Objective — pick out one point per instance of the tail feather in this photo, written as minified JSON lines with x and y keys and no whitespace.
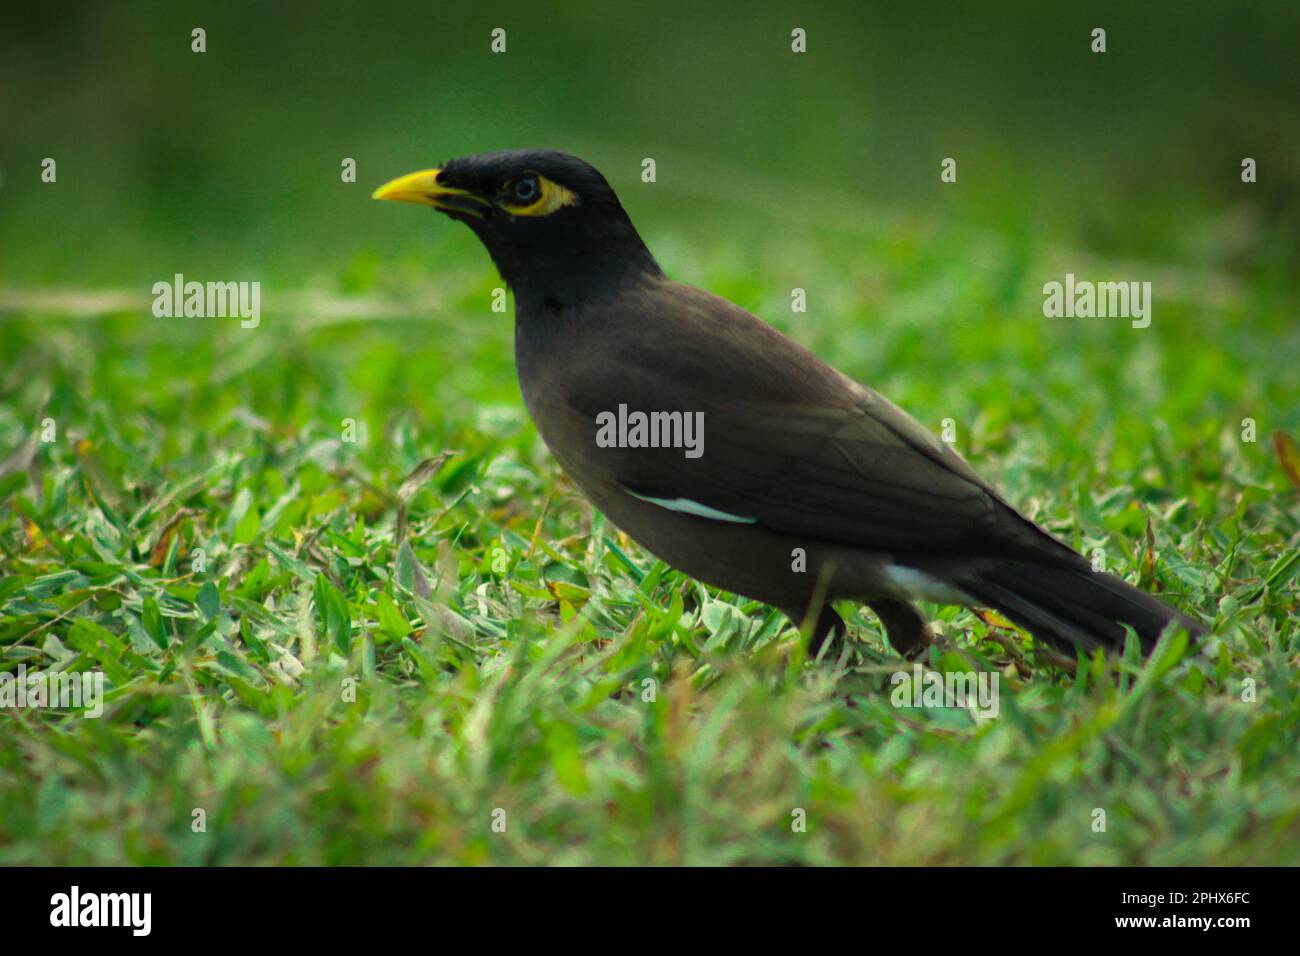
{"x":1071,"y":607}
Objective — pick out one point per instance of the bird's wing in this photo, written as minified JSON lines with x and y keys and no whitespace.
{"x":789,"y":442}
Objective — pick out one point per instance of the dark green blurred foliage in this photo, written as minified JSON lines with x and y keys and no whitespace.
{"x":228,"y":160}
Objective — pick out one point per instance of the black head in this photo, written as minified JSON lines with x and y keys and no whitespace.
{"x":551,"y":222}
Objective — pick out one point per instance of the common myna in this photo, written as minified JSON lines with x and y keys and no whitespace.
{"x":735,"y":454}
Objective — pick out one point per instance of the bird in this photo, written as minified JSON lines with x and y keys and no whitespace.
{"x":737,"y":456}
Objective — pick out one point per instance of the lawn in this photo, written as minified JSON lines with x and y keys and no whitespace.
{"x":348,"y":609}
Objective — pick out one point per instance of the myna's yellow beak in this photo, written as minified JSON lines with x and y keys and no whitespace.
{"x":424,"y":189}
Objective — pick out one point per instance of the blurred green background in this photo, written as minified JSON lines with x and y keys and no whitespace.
{"x":228,"y":162}
{"x":521,"y":686}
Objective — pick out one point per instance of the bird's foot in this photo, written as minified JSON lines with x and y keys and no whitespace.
{"x":828,"y":629}
{"x":906,"y":628}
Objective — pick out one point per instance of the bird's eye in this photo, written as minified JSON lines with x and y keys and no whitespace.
{"x":525,"y":190}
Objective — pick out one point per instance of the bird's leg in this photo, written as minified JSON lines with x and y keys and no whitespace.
{"x":828,"y":623}
{"x":906,"y":628}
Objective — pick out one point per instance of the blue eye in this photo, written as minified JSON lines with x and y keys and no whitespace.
{"x":526,"y":190}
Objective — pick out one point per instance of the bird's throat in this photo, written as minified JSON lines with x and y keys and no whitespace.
{"x":568,"y":273}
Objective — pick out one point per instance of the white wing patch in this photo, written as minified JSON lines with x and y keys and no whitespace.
{"x":687,"y":507}
{"x":921,"y":586}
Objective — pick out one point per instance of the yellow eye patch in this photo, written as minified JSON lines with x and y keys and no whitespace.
{"x":553,"y":196}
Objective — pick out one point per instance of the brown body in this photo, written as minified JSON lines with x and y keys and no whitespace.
{"x":787,"y":424}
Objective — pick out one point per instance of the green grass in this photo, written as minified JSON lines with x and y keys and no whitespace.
{"x":501,"y":640}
